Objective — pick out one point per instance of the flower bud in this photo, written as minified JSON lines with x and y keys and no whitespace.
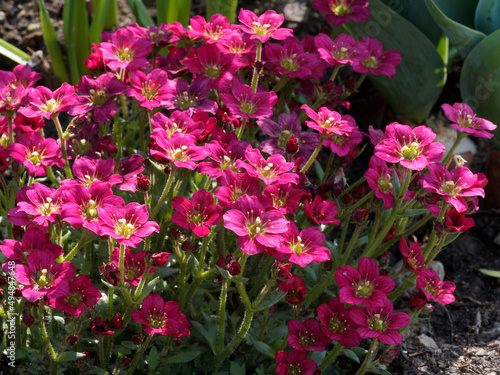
{"x":359,"y":216}
{"x":28,"y":320}
{"x":143,"y":183}
{"x":72,"y":339}
{"x":292,"y":146}
{"x":160,"y":259}
{"x":116,"y":322}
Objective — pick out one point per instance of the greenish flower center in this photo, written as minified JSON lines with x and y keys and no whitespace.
{"x":124,"y":228}
{"x":410,"y":152}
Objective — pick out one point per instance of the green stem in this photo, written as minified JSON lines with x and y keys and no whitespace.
{"x":122,"y":264}
{"x":360,"y":80}
{"x":11,"y":130}
{"x":74,"y":250}
{"x":67,"y":169}
{"x":351,"y":245}
{"x":335,"y":352}
{"x":356,"y":205}
{"x":241,"y":129}
{"x":368,"y":357}
{"x":436,"y":251}
{"x":432,"y":240}
{"x":46,"y":339}
{"x":314,"y":154}
{"x":256,"y":73}
{"x":328,"y":167}
{"x":335,"y":71}
{"x":139,"y":355}
{"x":448,"y":156}
{"x":164,"y":194}
{"x":222,"y":317}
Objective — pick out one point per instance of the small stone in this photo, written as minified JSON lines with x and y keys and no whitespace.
{"x":295,"y":11}
{"x":2,"y":16}
{"x":481,"y":352}
{"x":428,"y":343}
{"x":438,"y":267}
{"x":33,"y":27}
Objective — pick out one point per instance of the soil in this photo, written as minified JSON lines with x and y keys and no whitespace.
{"x":461,"y":338}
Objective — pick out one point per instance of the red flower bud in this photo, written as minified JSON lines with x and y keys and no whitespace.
{"x":116,"y":322}
{"x":160,"y":259}
{"x":72,"y":339}
{"x":143,"y":183}
{"x":28,"y":320}
{"x":292,"y":146}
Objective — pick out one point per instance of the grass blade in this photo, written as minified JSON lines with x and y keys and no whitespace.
{"x":53,"y":47}
{"x":81,"y":37}
{"x":228,"y":8}
{"x":212,"y":8}
{"x":141,"y":13}
{"x":166,"y":10}
{"x":184,"y":10}
{"x":100,"y":13}
{"x":13,"y":53}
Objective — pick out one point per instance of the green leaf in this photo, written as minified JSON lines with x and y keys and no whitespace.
{"x":263,"y":348}
{"x":153,"y":359}
{"x":480,"y":78}
{"x":463,"y":38}
{"x":141,"y":13}
{"x":487,"y":17}
{"x":13,"y":53}
{"x":209,"y":333}
{"x":69,"y":356}
{"x":53,"y":47}
{"x":491,"y":273}
{"x":99,"y":17}
{"x":460,"y":11}
{"x":319,"y":170}
{"x":167,"y":11}
{"x":396,"y":185}
{"x":414,"y":212}
{"x":272,"y":298}
{"x":237,"y":369}
{"x":129,"y":345}
{"x":183,"y":12}
{"x":420,"y":76}
{"x":451,"y":237}
{"x":147,"y":289}
{"x":212,"y":7}
{"x":183,"y":357}
{"x":228,"y":8}
{"x":350,"y":354}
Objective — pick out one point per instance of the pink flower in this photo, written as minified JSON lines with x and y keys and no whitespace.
{"x":453,"y":186}
{"x":380,"y":322}
{"x":197,"y":215}
{"x":164,"y":318}
{"x":304,"y":247}
{"x":190,"y":97}
{"x":223,"y":158}
{"x":238,"y":43}
{"x":295,"y":289}
{"x":379,"y":61}
{"x":337,"y":323}
{"x":177,"y":122}
{"x":329,"y":122}
{"x":321,"y":211}
{"x":43,"y":102}
{"x":244,"y":103}
{"x":81,"y":296}
{"x":210,"y":31}
{"x":295,"y":362}
{"x":343,"y":144}
{"x":363,"y":285}
{"x":40,"y":203}
{"x":129,"y":168}
{"x":284,"y":197}
{"x":36,"y":153}
{"x":232,"y":186}
{"x":435,"y":289}
{"x":134,"y":265}
{"x":464,"y":120}
{"x":413,"y":256}
{"x":263,"y":27}
{"x":20,"y":75}
{"x":272,"y":170}
{"x":28,"y":124}
{"x":338,"y":12}
{"x":96,"y":96}
{"x":412,"y":148}
{"x":343,"y":50}
{"x":306,"y":336}
{"x":150,"y":90}
{"x":88,"y":170}
{"x":256,"y":228}
{"x":457,"y":222}
{"x":129,"y":224}
{"x":42,"y":276}
{"x":125,"y":51}
{"x":80,"y":208}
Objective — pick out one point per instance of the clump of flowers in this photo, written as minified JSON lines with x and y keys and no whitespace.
{"x":196,"y":207}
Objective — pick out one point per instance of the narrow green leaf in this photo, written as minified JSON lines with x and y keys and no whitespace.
{"x":147,"y":289}
{"x":13,"y":53}
{"x":184,"y":357}
{"x":153,"y":359}
{"x":491,"y":273}
{"x":212,"y":7}
{"x":396,"y":185}
{"x":414,"y":212}
{"x":461,"y":37}
{"x":319,"y":170}
{"x":81,"y":37}
{"x":487,"y":19}
{"x":163,"y":11}
{"x":99,"y":18}
{"x":141,"y":13}
{"x":237,"y":369}
{"x":69,"y":356}
{"x":53,"y":47}
{"x":460,"y":11}
{"x":263,"y":348}
{"x":112,"y":18}
{"x":272,"y":298}
{"x":228,"y":8}
{"x":480,"y":78}
{"x":420,"y":76}
{"x":183,"y":12}
{"x":69,"y":31}
{"x":350,"y":354}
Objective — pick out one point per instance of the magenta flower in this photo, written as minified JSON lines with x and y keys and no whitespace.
{"x":337,"y":323}
{"x":129,"y":224}
{"x":294,"y":287}
{"x":295,"y":362}
{"x":232,"y":186}
{"x":342,"y":145}
{"x":211,"y":31}
{"x":321,"y":211}
{"x":150,"y":90}
{"x":343,"y":50}
{"x":329,"y":122}
{"x":338,"y":12}
{"x":244,"y":103}
{"x":80,"y":297}
{"x":284,"y":197}
{"x":306,"y":336}
{"x":40,"y":203}
{"x":256,"y":228}
{"x":379,"y":61}
{"x":21,"y":75}
{"x":457,"y":222}
{"x":190,"y":97}
{"x":263,"y":27}
{"x":238,"y":43}
{"x":453,"y":186}
{"x":125,"y":51}
{"x":412,"y":148}
{"x":80,"y":208}
{"x":177,"y":122}
{"x":43,"y":277}
{"x":134,"y":266}
{"x":130,"y":168}
{"x":435,"y":289}
{"x":87,"y":171}
{"x":464,"y":120}
{"x":291,"y":60}
{"x":96,"y":96}
{"x":28,"y":124}
{"x":164,"y":318}
{"x":36,"y":153}
{"x":197,"y":215}
{"x":43,"y":102}
{"x":272,"y":170}
{"x":380,"y":322}
{"x":413,"y":256}
{"x":180,"y":149}
{"x":304,"y":247}
{"x":363,"y":285}
{"x":12,"y":98}
{"x":223,"y":158}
